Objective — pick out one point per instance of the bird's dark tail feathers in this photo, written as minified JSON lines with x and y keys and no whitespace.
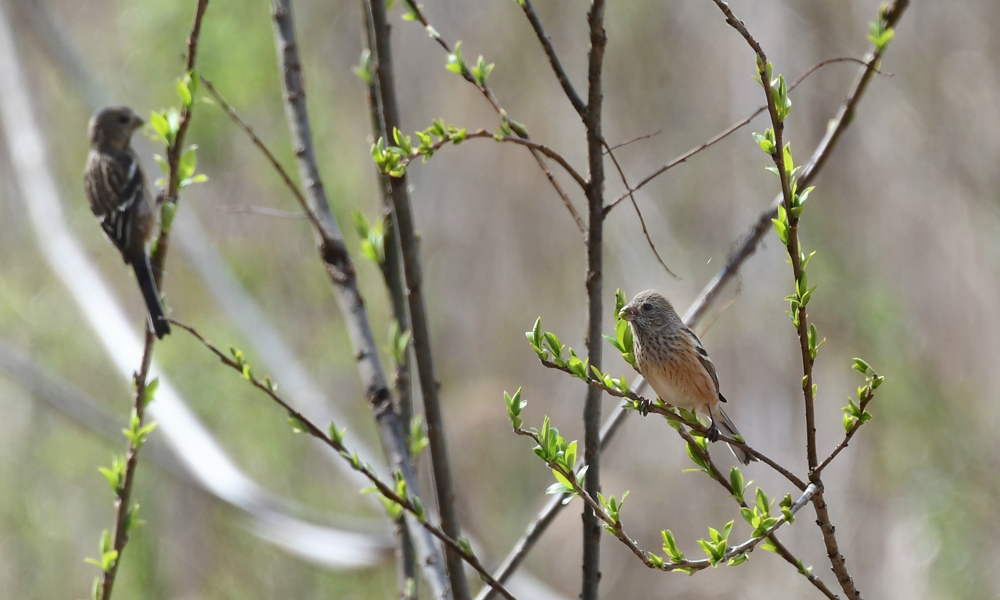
{"x":144,"y":275}
{"x":726,"y":425}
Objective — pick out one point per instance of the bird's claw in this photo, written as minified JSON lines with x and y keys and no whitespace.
{"x":643,"y":407}
{"x":713,"y":433}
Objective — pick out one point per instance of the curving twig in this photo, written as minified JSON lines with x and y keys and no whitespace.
{"x":407,"y":501}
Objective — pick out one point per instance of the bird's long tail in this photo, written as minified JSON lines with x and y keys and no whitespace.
{"x":144,"y":275}
{"x":725,"y":424}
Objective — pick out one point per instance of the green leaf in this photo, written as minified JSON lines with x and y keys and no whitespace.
{"x":670,"y":546}
{"x":337,"y":435}
{"x":862,"y":366}
{"x":297,"y":424}
{"x":365,"y":70}
{"x":184,"y":94}
{"x":456,"y":63}
{"x":158,"y":121}
{"x":149,"y":392}
{"x":736,"y":482}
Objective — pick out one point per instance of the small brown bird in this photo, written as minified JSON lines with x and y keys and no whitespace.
{"x":671,"y":358}
{"x":120,"y":199}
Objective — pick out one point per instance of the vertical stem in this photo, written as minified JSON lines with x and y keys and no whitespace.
{"x":410,"y":253}
{"x":595,"y":237}
{"x":340,"y":268}
{"x":123,"y":503}
{"x":384,"y":119}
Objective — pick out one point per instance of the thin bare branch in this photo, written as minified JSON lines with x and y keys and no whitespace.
{"x":731,"y":129}
{"x":550,"y":52}
{"x":635,"y":139}
{"x":248,"y":129}
{"x":642,"y":221}
{"x":261,"y":210}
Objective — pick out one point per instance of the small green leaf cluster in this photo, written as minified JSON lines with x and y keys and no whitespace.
{"x":879,"y":34}
{"x":613,"y":509}
{"x":622,"y":340}
{"x":759,"y":516}
{"x":800,"y":299}
{"x":514,"y":407}
{"x":392,"y":508}
{"x":549,"y":349}
{"x":411,"y":11}
{"x":187,"y":88}
{"x":241,"y":362}
{"x":136,"y":431}
{"x":777,"y":87}
{"x":418,"y":437}
{"x":393,"y":160}
{"x":560,"y":455}
{"x":671,"y":550}
{"x":166,"y":123}
{"x":478,"y":73}
{"x":365,"y":70}
{"x":718,"y":544}
{"x":739,"y":488}
{"x":399,"y":341}
{"x":508,"y":127}
{"x":372,"y":237}
{"x":697,"y":450}
{"x":108,"y":556}
{"x":337,"y":435}
{"x":853,"y":412}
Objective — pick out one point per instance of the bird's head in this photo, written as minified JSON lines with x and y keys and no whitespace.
{"x":648,"y":311}
{"x":111,"y":127}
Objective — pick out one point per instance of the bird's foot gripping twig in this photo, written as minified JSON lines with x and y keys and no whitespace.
{"x":713,"y":433}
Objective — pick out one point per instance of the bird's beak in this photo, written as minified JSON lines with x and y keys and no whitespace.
{"x":628,"y":314}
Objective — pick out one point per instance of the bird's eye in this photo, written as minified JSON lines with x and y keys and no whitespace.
{"x":124,"y":119}
{"x":646,"y":307}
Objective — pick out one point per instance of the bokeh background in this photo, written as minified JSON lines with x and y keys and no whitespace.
{"x":904,"y":221}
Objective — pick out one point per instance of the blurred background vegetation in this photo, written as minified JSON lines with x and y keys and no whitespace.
{"x":905,"y":221}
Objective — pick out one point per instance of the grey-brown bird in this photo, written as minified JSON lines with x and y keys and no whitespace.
{"x":120,"y":199}
{"x":674,"y":362}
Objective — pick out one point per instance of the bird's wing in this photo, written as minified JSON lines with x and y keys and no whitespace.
{"x":706,"y":362}
{"x":115,"y":185}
